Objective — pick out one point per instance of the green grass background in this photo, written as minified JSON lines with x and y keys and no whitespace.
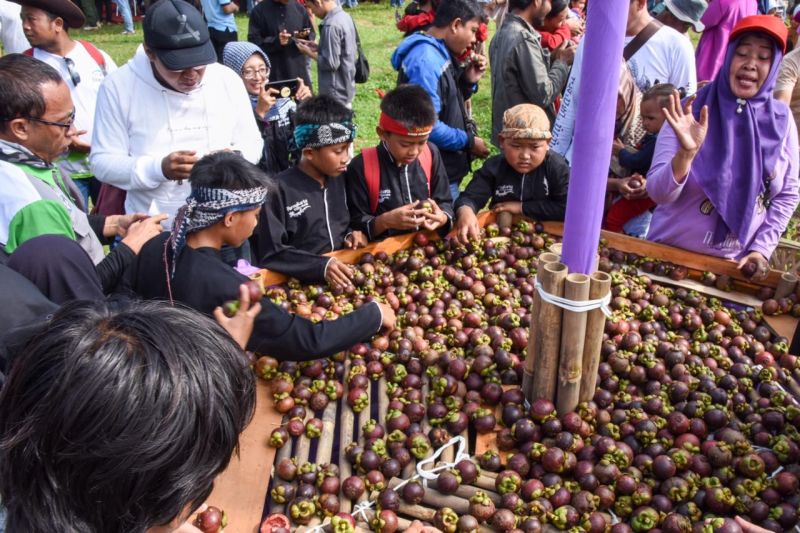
{"x":379,"y":38}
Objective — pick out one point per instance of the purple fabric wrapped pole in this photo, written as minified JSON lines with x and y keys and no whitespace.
{"x":594,"y":132}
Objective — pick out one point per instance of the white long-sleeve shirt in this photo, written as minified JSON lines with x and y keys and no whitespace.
{"x":138,"y":122}
{"x":11,"y":34}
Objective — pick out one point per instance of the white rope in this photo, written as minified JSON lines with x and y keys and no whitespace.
{"x":582,"y":306}
{"x":362,"y":508}
{"x":461,"y":454}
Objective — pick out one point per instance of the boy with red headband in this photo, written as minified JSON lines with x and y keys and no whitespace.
{"x":401,"y":185}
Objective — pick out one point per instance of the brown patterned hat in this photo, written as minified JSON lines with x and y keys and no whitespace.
{"x":526,"y":121}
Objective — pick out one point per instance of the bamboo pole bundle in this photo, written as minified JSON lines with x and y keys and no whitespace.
{"x":325,"y":443}
{"x":576,"y":288}
{"x":348,"y":418}
{"x":552,"y":278}
{"x":535,"y":332}
{"x":599,"y":287}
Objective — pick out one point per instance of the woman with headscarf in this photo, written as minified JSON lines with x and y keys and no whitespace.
{"x":724,"y":173}
{"x":273,"y":111}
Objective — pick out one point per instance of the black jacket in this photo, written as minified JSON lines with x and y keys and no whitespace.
{"x":300,"y":222}
{"x":641,"y":159}
{"x":267,"y":20}
{"x":543,"y":192}
{"x":203,"y":281}
{"x":399,"y":186}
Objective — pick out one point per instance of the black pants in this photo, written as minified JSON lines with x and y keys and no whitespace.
{"x":220,"y":38}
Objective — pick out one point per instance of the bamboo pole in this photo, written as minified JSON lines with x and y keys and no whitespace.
{"x":786,"y":285}
{"x":347,"y":417}
{"x":464,"y":492}
{"x":595,"y":324}
{"x":504,"y":219}
{"x":576,"y":288}
{"x":325,"y":443}
{"x":535,"y":331}
{"x":552,"y":278}
{"x":283,"y":452}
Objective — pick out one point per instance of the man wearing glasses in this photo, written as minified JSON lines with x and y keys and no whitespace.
{"x":37,"y":125}
{"x":83,"y":67}
{"x":167,"y":107}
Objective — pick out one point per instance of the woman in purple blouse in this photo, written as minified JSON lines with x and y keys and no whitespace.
{"x":725,"y":170}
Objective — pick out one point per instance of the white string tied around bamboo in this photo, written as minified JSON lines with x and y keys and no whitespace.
{"x":583,"y":306}
{"x":461,"y":454}
{"x":361,"y":508}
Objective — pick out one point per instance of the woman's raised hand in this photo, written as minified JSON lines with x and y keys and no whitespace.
{"x":690,"y":132}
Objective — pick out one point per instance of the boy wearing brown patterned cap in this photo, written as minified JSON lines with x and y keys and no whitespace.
{"x":526,"y":179}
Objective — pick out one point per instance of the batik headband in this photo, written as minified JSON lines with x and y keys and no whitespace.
{"x":389,"y":124}
{"x":319,"y":135}
{"x":205,"y":207}
{"x":525,"y":121}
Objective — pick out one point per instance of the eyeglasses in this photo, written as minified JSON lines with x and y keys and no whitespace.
{"x":73,"y":74}
{"x":252,"y":74}
{"x":66,"y":125}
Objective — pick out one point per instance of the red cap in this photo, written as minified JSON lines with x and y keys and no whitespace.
{"x":769,"y":24}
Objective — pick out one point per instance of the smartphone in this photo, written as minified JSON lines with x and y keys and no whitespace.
{"x":286,"y":88}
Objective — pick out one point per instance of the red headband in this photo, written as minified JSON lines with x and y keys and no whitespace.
{"x":390,"y":125}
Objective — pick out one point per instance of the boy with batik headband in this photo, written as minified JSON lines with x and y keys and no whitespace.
{"x":308,"y":215}
{"x":401,"y":185}
{"x":527,"y":179}
{"x":185,"y":265}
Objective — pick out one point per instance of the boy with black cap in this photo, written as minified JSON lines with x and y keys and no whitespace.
{"x":83,"y":67}
{"x":166,"y":108}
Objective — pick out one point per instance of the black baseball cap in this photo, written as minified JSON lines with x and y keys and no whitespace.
{"x":177,"y":33}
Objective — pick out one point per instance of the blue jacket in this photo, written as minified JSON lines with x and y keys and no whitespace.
{"x":426,"y":61}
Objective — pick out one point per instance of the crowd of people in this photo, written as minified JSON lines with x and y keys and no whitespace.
{"x":133,"y":204}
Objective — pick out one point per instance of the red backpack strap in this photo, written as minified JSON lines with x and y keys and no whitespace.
{"x":95,"y":53}
{"x":426,"y":160}
{"x":372,"y":175}
{"x":28,"y":52}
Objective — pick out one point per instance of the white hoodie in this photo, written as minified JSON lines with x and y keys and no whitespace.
{"x":138,"y":121}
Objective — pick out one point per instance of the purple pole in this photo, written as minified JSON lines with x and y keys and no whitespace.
{"x":594,"y":132}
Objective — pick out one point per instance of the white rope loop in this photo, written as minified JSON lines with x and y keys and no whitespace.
{"x":433,"y":473}
{"x":583,"y":306}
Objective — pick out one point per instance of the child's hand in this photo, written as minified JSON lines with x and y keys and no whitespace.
{"x":515,"y":208}
{"x":303,"y":91}
{"x":479,"y":148}
{"x":467,"y":227}
{"x":617,"y":146}
{"x":240,"y":326}
{"x":355,"y":239}
{"x":406,"y":217}
{"x":634,"y":187}
{"x":434,"y":219}
{"x":338,"y":273}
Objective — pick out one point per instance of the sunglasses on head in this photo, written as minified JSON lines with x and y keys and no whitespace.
{"x":73,"y":74}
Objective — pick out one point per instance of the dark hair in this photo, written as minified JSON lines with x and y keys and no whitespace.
{"x":450,"y":10}
{"x":519,"y":5}
{"x":660,"y":92}
{"x":115,"y":419}
{"x":557,"y":7}
{"x":21,"y":80}
{"x":322,"y":109}
{"x":410,"y":105}
{"x":227,"y":170}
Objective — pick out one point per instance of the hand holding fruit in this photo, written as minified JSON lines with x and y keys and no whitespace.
{"x":406,"y":217}
{"x":467,"y":227}
{"x":433,"y":216}
{"x":479,"y":148}
{"x":178,"y":164}
{"x":754,"y":266}
{"x":141,"y":231}
{"x":388,"y":318}
{"x":211,"y":520}
{"x":238,"y":317}
{"x":338,"y":273}
{"x":634,"y":187}
{"x":515,"y":208}
{"x":284,"y":37}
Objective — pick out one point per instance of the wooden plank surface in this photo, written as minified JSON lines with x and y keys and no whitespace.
{"x":678,"y":256}
{"x":241,"y":489}
{"x":782,"y":325}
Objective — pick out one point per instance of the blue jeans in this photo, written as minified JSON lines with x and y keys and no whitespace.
{"x":89,"y":188}
{"x":350,"y":3}
{"x":127,"y":17}
{"x":454,"y":190}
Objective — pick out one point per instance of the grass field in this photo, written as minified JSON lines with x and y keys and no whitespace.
{"x":379,"y":38}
